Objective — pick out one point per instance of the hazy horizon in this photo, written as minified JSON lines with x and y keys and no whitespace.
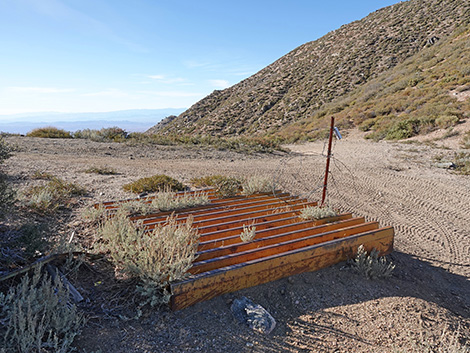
{"x":131,"y":120}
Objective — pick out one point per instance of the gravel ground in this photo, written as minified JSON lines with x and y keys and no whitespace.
{"x":424,"y":305}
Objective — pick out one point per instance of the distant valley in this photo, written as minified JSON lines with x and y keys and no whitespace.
{"x":137,"y":120}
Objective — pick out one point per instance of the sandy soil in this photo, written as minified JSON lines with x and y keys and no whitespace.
{"x":426,"y":303}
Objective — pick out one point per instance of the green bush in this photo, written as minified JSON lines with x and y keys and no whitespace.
{"x":160,"y":182}
{"x":370,"y":265}
{"x":37,"y":316}
{"x":367,"y":124}
{"x":410,"y":127}
{"x":49,"y":132}
{"x":447,"y":120}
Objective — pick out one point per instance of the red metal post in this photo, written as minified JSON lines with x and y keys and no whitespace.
{"x":325,"y":182}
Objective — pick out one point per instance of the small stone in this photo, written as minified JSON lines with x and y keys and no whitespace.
{"x":297,"y":302}
{"x":290,"y":280}
{"x":249,"y":344}
{"x":254,"y":315}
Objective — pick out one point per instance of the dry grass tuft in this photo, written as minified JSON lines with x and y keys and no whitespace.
{"x":257,"y":184}
{"x":248,"y":233}
{"x":316,"y":212}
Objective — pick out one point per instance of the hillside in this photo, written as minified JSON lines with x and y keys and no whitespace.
{"x":300,"y":83}
{"x":427,"y":91}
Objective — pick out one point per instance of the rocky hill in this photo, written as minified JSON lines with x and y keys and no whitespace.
{"x":303,"y":82}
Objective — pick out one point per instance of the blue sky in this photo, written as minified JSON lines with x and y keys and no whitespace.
{"x":107,"y":55}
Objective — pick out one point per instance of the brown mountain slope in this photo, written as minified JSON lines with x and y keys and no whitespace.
{"x":427,"y":91}
{"x":299,"y":83}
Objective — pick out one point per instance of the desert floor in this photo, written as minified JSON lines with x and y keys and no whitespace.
{"x":423,"y":306}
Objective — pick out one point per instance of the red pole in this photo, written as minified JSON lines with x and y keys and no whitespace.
{"x":325,"y":183}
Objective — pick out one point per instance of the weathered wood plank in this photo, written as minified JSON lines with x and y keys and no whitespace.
{"x":229,"y":279}
{"x":265,"y":210}
{"x":293,"y":211}
{"x":212,"y":210}
{"x":232,"y":244}
{"x":278,"y":244}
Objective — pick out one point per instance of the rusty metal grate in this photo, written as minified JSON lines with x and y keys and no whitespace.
{"x":284,"y":244}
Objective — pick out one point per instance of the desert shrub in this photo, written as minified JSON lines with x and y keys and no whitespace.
{"x":154,"y":183}
{"x":32,"y":239}
{"x":5,"y":150}
{"x":257,"y":184}
{"x":447,"y":120}
{"x":462,"y":163}
{"x":367,"y":124}
{"x":316,"y":212}
{"x":101,"y":170}
{"x":206,"y":181}
{"x":168,"y":201}
{"x":408,"y":128}
{"x":248,"y":233}
{"x":228,"y":187}
{"x":370,"y":265}
{"x":224,"y":186}
{"x":110,"y":134}
{"x":7,"y":195}
{"x":165,"y":201}
{"x":36,"y":316}
{"x":465,"y":143}
{"x":48,"y":198}
{"x":246,"y":145}
{"x":49,"y":132}
{"x":157,"y":257}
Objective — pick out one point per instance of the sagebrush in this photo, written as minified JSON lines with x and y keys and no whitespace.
{"x":155,"y":257}
{"x":51,"y":196}
{"x":37,"y":316}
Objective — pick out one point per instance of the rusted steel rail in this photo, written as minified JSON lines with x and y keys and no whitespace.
{"x":284,"y":244}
